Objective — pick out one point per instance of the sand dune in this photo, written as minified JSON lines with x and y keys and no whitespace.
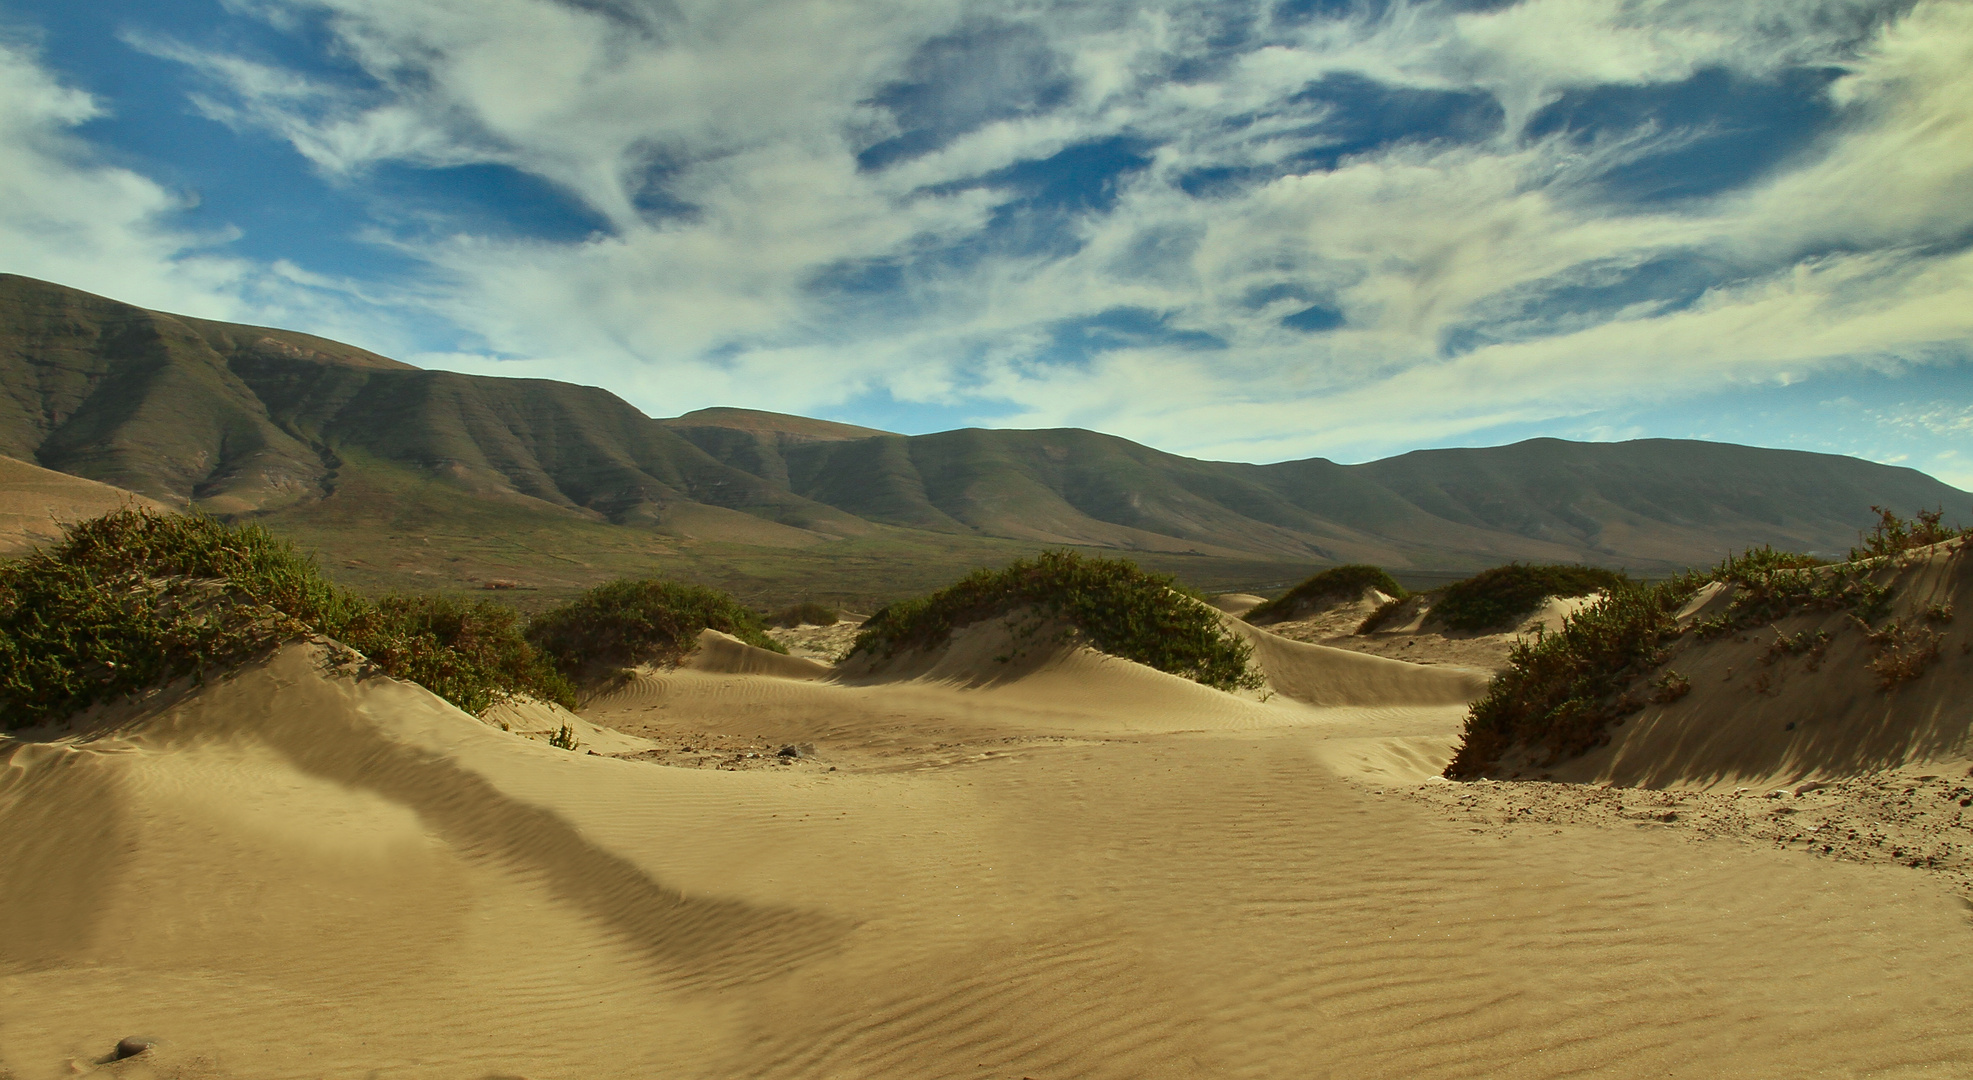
{"x":1057,"y":865}
{"x":1237,"y":603}
{"x":1760,"y":715}
{"x":35,"y":503}
{"x":1413,"y":636}
{"x":1320,"y":675}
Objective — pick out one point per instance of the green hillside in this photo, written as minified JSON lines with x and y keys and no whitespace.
{"x":405,"y":477}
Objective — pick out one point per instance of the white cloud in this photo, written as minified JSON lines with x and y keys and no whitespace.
{"x":68,"y":216}
{"x":753,"y":115}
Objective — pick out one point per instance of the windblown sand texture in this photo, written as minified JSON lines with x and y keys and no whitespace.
{"x":1010,"y":858}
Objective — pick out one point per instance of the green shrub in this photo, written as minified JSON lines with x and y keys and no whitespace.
{"x":469,"y":652}
{"x":1123,"y":611}
{"x":808,"y":612}
{"x":649,"y":621}
{"x":1893,"y":534}
{"x":135,"y":599}
{"x":1337,"y":582}
{"x":1500,"y":596}
{"x":1385,"y":612}
{"x":1560,"y":692}
{"x":1770,"y":585}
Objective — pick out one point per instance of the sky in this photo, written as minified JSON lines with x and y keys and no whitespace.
{"x":1241,"y":231}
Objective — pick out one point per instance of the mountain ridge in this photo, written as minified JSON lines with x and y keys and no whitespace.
{"x":287,"y":427}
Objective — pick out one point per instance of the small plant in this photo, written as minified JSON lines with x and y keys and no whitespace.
{"x":806,"y":613}
{"x":1337,"y":582}
{"x":1813,"y":644}
{"x":1669,"y":687}
{"x":1939,"y":614}
{"x":564,"y":739}
{"x":1386,"y":613}
{"x":1893,"y":534}
{"x":1900,"y":653}
{"x":469,"y":652}
{"x":626,"y":623}
{"x":1119,"y":607}
{"x":1504,"y":594}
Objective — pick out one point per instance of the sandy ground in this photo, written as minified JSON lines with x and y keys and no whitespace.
{"x":1055,"y":865}
{"x":824,"y":643}
{"x":1914,"y":817}
{"x":35,"y":503}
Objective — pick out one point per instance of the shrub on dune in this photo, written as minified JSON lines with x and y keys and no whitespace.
{"x":136,"y":599}
{"x":1336,"y":583}
{"x":1560,"y":693}
{"x":469,"y":652}
{"x":650,"y":621}
{"x":1893,"y":534}
{"x":1500,"y":596}
{"x":1120,"y":608}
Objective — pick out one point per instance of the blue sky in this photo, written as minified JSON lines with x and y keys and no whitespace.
{"x":1250,"y":231}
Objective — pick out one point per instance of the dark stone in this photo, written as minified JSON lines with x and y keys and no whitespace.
{"x":132,"y":1046}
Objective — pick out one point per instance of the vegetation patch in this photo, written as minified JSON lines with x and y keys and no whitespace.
{"x":649,"y":621}
{"x":806,"y":613}
{"x":135,"y":599}
{"x":1500,"y":596}
{"x":1336,"y":583}
{"x":1669,"y":687}
{"x":1893,"y":534}
{"x":1119,"y":607}
{"x":1901,"y":653}
{"x":1561,"y":692}
{"x":1802,"y":643}
{"x":1390,"y":610}
{"x":1770,"y":585}
{"x":469,"y":652}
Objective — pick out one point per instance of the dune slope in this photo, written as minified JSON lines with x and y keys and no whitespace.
{"x":1761,"y":711}
{"x":35,"y":503}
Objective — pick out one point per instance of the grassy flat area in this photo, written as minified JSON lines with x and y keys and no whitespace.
{"x":389,"y":528}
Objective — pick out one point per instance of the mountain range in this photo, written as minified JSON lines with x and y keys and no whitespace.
{"x":366,"y":458}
